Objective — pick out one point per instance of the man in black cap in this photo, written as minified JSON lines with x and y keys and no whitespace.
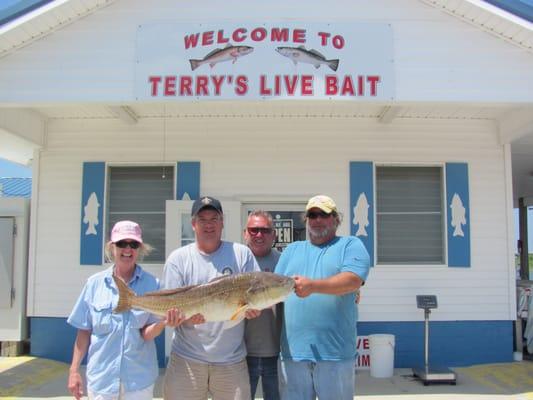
{"x":206,"y":358}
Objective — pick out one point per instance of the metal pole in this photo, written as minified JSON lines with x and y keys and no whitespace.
{"x":523,"y":235}
{"x":426,"y":338}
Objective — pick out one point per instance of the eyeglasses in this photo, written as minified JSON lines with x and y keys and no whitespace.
{"x":122,"y":244}
{"x":212,"y":221}
{"x":316,"y":214}
{"x":254,"y":230}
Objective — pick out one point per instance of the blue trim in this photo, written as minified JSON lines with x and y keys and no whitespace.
{"x":92,"y":232}
{"x":188,"y":180}
{"x":22,"y":7}
{"x":520,"y":8}
{"x":54,"y":338}
{"x":458,"y":215}
{"x":362,"y":183}
{"x":451,"y":343}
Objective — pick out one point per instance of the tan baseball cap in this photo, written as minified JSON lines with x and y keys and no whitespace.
{"x":325,"y":203}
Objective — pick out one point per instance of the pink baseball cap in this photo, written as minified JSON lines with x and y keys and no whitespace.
{"x":126,"y":230}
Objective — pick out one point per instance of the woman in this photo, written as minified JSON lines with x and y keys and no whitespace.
{"x":122,"y":361}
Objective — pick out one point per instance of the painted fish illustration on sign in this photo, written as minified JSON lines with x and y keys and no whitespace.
{"x":301,"y":54}
{"x":225,"y":298}
{"x":227,"y":53}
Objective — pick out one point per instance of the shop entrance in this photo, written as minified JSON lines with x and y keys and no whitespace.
{"x":287,"y":218}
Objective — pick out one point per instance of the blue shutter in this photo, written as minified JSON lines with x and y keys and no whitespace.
{"x":458,"y":214}
{"x":362,"y":204}
{"x":92,"y":211}
{"x":188,"y":180}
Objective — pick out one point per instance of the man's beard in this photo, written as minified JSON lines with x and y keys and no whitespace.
{"x":319,"y":233}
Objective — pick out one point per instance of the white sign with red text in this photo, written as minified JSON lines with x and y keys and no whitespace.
{"x":363,"y":353}
{"x":279,"y":60}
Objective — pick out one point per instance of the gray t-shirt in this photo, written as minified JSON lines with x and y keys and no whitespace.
{"x":208,"y":342}
{"x":262,"y":333}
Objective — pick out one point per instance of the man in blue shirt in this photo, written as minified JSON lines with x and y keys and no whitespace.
{"x":318,"y":342}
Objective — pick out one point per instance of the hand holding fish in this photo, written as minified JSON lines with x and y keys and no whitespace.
{"x":174,"y":318}
{"x":303,"y":286}
{"x":196,"y":319}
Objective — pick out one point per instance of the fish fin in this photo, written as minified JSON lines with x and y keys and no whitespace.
{"x":239,"y":313}
{"x":194,"y":64}
{"x":212,"y":64}
{"x":301,"y":47}
{"x":317,"y":66}
{"x":317,"y":53}
{"x":231,"y":324}
{"x":125,"y":295}
{"x":333,"y":64}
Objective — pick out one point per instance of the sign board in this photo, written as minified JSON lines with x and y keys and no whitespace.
{"x":273,"y":60}
{"x":426,"y":301}
{"x":363,"y":353}
{"x":284,"y":233}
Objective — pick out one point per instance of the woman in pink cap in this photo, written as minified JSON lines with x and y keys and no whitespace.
{"x":122,"y":361}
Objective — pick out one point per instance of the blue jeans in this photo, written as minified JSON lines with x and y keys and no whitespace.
{"x":329,"y":380}
{"x":267,"y":369}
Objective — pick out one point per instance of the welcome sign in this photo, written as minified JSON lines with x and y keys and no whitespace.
{"x":278,"y":60}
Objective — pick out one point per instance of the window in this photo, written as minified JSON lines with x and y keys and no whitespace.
{"x":410,"y":215}
{"x":139,"y":194}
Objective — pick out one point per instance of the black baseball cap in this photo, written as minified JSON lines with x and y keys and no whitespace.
{"x":205,"y":202}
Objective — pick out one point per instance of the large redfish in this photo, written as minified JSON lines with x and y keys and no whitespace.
{"x":223,"y":299}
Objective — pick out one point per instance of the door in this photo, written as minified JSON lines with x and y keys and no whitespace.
{"x":7,"y":226}
{"x":287,"y":218}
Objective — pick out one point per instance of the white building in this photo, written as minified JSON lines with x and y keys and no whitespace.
{"x":414,"y":131}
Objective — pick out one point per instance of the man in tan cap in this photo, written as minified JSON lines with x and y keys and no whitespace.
{"x":318,"y":343}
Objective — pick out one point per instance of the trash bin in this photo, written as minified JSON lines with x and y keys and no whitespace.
{"x":381,"y":355}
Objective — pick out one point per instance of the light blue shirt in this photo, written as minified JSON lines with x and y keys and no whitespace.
{"x":209,"y":342}
{"x":117,"y":352}
{"x":321,"y":327}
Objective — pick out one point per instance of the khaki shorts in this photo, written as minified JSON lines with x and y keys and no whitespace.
{"x":189,"y":380}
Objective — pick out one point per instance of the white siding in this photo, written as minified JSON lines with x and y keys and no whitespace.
{"x":273,"y":157}
{"x":436,"y":56}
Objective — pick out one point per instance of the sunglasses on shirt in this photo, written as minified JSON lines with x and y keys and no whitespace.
{"x":316,"y":214}
{"x":254,"y":231}
{"x":122,"y":244}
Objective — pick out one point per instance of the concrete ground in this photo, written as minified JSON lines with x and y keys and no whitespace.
{"x":35,"y":378}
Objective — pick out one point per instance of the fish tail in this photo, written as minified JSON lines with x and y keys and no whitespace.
{"x":125,"y":296}
{"x":195,"y":64}
{"x":333,"y":64}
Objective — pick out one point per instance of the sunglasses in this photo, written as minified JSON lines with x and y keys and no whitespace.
{"x":316,"y":214}
{"x":122,"y":244}
{"x":254,"y":231}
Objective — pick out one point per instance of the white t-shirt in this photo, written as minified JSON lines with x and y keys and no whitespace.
{"x":208,"y":342}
